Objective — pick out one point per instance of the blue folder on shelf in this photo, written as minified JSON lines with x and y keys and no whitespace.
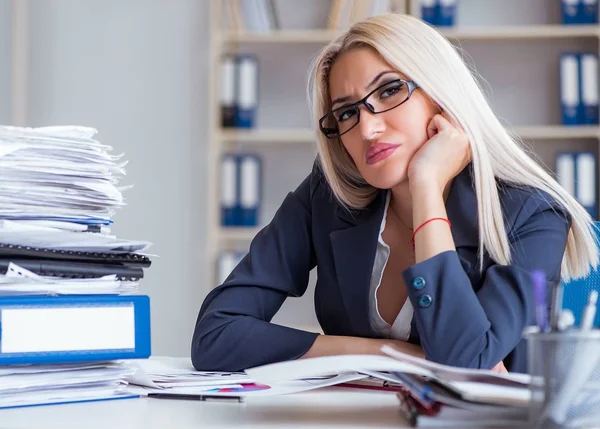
{"x":67,"y":329}
{"x":246,"y":91}
{"x":588,"y":11}
{"x":570,"y":88}
{"x":250,"y":180}
{"x":229,"y":190}
{"x":570,"y":11}
{"x":576,"y":172}
{"x":589,"y":88}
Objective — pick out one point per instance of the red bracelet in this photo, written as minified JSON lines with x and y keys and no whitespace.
{"x":412,"y":239}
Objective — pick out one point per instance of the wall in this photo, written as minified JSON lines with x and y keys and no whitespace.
{"x":5,"y":61}
{"x":136,"y":71}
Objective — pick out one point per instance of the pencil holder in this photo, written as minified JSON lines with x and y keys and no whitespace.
{"x":565,"y":370}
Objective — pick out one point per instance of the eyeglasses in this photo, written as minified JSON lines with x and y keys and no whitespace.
{"x":383,"y":98}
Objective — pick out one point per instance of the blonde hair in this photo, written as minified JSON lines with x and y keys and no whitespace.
{"x":424,"y":55}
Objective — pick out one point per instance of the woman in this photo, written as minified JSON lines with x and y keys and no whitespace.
{"x":423,"y":217}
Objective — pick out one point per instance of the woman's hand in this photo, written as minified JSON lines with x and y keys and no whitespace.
{"x":500,"y":368}
{"x":442,"y":157}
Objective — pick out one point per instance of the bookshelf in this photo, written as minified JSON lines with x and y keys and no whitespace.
{"x":544,"y":33}
{"x":521,"y":32}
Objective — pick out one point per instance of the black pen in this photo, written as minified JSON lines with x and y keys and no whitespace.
{"x":195,"y":397}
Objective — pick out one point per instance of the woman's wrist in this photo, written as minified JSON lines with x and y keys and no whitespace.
{"x":424,"y":184}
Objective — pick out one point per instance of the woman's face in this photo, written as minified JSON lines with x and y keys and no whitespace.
{"x":382,"y":144}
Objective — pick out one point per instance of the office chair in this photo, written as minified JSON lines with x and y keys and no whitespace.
{"x":576,"y":292}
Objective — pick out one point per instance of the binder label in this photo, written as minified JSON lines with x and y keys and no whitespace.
{"x":47,"y":329}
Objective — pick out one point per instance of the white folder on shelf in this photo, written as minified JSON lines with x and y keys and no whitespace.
{"x":589,"y":88}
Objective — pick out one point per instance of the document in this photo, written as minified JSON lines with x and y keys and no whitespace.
{"x":49,"y":384}
{"x":19,"y":281}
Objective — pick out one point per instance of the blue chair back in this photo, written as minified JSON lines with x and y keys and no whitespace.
{"x":576,"y":292}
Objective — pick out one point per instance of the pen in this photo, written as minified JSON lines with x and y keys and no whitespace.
{"x":556,"y":306}
{"x":589,"y":312}
{"x":418,"y":391}
{"x":541,"y":306}
{"x":196,"y":397}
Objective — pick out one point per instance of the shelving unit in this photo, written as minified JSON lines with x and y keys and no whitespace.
{"x":307,"y":136}
{"x":472,"y":33}
{"x":275,"y":138}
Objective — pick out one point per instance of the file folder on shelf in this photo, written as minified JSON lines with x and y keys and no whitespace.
{"x":229,"y":190}
{"x":570,"y":12}
{"x":585,"y":182}
{"x":588,"y":11}
{"x":226,"y":263}
{"x":249,"y":186}
{"x":67,"y":329}
{"x":446,"y":12}
{"x":247,"y":91}
{"x":429,"y":11}
{"x":570,"y":96}
{"x":576,"y":172}
{"x":589,"y":88}
{"x":227,"y":96}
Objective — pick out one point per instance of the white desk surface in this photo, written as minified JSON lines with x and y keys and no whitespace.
{"x":333,"y":407}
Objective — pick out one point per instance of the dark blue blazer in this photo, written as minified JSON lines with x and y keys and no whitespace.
{"x":462,"y":316}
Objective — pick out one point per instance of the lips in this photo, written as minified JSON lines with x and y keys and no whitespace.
{"x":379,"y":151}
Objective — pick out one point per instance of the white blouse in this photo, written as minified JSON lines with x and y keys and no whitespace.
{"x":400,"y":330}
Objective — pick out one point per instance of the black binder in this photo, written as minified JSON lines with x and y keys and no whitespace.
{"x":28,"y":252}
{"x":73,"y":264}
{"x":73,"y":270}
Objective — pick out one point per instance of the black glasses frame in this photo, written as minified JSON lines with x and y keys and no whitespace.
{"x":331,"y":133}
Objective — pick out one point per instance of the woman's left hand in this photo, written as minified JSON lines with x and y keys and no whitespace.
{"x":445,"y":154}
{"x":500,"y":368}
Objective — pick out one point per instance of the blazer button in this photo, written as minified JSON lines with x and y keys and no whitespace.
{"x":425,"y":300}
{"x":418,"y":283}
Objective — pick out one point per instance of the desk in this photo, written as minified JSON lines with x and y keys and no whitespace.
{"x":333,"y":407}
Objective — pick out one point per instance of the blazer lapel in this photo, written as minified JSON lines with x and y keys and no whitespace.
{"x":461,"y":207}
{"x":354,"y":254}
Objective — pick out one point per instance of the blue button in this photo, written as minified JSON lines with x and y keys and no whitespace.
{"x":418,"y":283}
{"x":425,"y":300}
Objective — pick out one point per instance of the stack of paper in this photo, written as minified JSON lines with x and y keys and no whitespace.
{"x":58,"y":192}
{"x":431,"y":393}
{"x":177,"y":376}
{"x":59,"y":188}
{"x":51,"y":384}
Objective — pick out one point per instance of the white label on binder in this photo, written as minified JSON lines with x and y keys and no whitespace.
{"x":228,"y":181}
{"x":569,"y":78}
{"x":565,"y":172}
{"x":586,"y":178}
{"x":589,"y":79}
{"x":227,"y":81}
{"x":30,"y":330}
{"x":249,"y":182}
{"x":447,"y":2}
{"x":248,"y":83}
{"x":427,"y":3}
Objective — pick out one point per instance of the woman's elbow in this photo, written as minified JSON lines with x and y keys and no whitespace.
{"x":483,"y":354}
{"x":206,"y":353}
